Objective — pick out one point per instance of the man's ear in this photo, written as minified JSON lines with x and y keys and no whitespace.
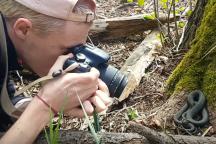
{"x":22,"y":27}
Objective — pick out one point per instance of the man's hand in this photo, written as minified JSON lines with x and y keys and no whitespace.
{"x":61,"y":92}
{"x":100,"y":100}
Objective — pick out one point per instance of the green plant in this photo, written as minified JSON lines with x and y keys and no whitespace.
{"x":92,"y":129}
{"x":53,"y":136}
{"x":149,"y":16}
{"x":164,"y":4}
{"x":181,"y":24}
{"x":140,"y":2}
{"x":132,"y":114}
{"x":129,"y":1}
{"x":96,"y":122}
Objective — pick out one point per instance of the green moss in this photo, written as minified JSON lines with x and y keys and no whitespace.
{"x":209,"y":83}
{"x":196,"y":71}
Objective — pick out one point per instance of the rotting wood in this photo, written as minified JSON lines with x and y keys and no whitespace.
{"x":164,"y":138}
{"x":118,"y":27}
{"x":135,"y":66}
{"x":82,"y":137}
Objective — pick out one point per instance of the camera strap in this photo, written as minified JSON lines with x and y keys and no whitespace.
{"x":46,"y":78}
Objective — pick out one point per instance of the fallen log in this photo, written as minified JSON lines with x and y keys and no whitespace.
{"x":138,"y":135}
{"x":163,"y":138}
{"x":135,"y":66}
{"x":112,"y":28}
{"x":81,"y":137}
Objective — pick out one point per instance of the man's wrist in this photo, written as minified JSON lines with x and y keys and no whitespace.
{"x":55,"y":112}
{"x":40,"y":109}
{"x":32,"y":121}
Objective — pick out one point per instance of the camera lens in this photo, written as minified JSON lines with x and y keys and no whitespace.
{"x":114,"y":79}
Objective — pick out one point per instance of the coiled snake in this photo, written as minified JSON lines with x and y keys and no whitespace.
{"x":194,"y":113}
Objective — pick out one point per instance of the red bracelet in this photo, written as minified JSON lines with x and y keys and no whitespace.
{"x":49,"y":106}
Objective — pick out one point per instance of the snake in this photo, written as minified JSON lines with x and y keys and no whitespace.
{"x":194,"y":113}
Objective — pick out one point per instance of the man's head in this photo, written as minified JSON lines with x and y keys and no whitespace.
{"x":42,"y":31}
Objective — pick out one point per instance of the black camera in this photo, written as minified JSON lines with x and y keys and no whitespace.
{"x":90,"y":56}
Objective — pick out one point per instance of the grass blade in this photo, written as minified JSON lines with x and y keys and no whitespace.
{"x":95,"y":136}
{"x":47,"y":137}
{"x":96,"y":121}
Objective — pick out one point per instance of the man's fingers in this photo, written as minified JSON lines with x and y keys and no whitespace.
{"x":88,"y":107}
{"x":99,"y":104}
{"x":75,"y":112}
{"x":103,"y":87}
{"x":78,"y":112}
{"x":59,"y":63}
{"x":95,"y":72}
{"x":104,"y":97}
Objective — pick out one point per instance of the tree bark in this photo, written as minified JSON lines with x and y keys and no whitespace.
{"x":193,"y":24}
{"x":197,"y":69}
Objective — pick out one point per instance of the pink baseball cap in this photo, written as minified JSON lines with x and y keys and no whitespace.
{"x":62,"y":9}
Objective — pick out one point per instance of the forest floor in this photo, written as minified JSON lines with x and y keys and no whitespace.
{"x":146,"y":100}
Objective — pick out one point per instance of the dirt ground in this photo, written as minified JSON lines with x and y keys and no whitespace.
{"x":144,"y":102}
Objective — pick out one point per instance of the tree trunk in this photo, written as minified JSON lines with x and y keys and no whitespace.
{"x":197,"y":70}
{"x":193,"y":23}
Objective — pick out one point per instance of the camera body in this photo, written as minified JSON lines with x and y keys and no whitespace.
{"x":88,"y":56}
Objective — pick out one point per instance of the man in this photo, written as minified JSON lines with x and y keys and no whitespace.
{"x":38,"y":34}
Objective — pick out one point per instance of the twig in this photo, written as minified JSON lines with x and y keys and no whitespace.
{"x":176,"y":26}
{"x":126,"y":5}
{"x":190,"y":3}
{"x":125,"y":109}
{"x":164,"y":126}
{"x":185,"y":12}
{"x":119,"y":111}
{"x":182,"y":37}
{"x":147,"y":95}
{"x":156,"y":11}
{"x":148,"y":6}
{"x":117,"y":50}
{"x":168,"y":24}
{"x":20,"y":77}
{"x":206,"y":131}
{"x":102,"y":17}
{"x":89,"y":38}
{"x":209,"y":51}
